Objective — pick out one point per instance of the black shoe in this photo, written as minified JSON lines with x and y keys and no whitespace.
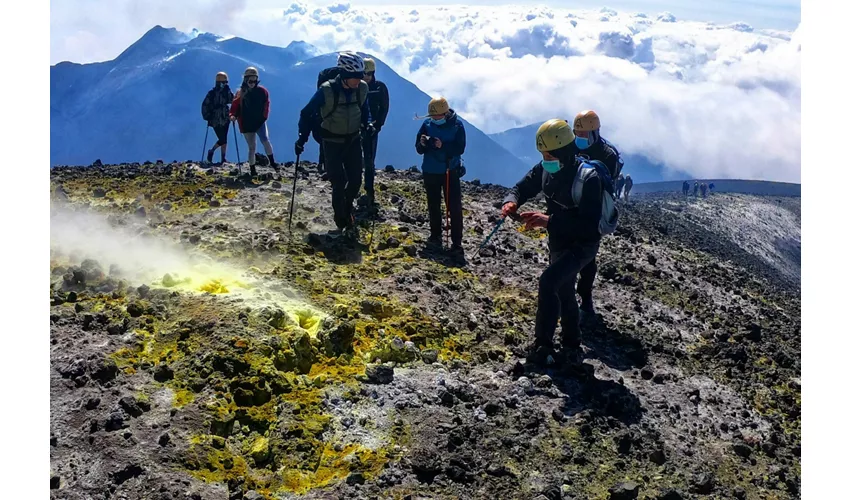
{"x":253,"y":170}
{"x":272,"y":163}
{"x":541,"y":353}
{"x":210,"y":155}
{"x":434,"y":242}
{"x":223,"y":160}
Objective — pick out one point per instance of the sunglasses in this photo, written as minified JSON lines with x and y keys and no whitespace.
{"x":370,"y":73}
{"x":224,"y":82}
{"x":253,"y":81}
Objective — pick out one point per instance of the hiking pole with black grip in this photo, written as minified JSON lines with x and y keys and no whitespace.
{"x":204,"y":151}
{"x":292,"y":200}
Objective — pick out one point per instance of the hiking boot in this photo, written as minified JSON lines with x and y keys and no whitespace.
{"x":210,"y":155}
{"x":434,"y":242}
{"x":253,"y":170}
{"x":541,"y":353}
{"x":272,"y":163}
{"x":223,"y":160}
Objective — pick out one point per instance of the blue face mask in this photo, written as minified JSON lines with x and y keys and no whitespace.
{"x":438,"y":122}
{"x":582,"y":142}
{"x":551,"y":166}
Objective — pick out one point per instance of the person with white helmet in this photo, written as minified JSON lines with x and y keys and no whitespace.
{"x":215,"y":110}
{"x":342,"y":106}
{"x":590,"y":144}
{"x":251,"y":108}
{"x":573,"y":228}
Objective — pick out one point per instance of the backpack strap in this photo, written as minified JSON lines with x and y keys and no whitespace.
{"x":336,"y":91}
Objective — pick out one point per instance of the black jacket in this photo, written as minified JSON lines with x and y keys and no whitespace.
{"x":568,"y":225}
{"x":379,"y":102}
{"x":600,"y":150}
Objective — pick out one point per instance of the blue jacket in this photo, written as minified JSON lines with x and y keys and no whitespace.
{"x":453,"y":137}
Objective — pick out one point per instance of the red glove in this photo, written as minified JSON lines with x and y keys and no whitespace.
{"x":534,"y":219}
{"x":508,"y":208}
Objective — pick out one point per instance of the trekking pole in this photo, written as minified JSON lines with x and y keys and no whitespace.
{"x":447,"y":206}
{"x":236,"y":140}
{"x":206,"y":135}
{"x":483,"y":244}
{"x":292,"y":200}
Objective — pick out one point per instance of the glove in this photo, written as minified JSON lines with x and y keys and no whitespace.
{"x":461,"y":171}
{"x":534,"y":219}
{"x":508,"y":208}
{"x":299,"y":147}
{"x":232,"y":118}
{"x":378,"y":127}
{"x":370,"y":128}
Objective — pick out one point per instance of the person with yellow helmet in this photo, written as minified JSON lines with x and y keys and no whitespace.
{"x":215,"y":110}
{"x":573,"y":228}
{"x":590,"y":143}
{"x":379,"y":107}
{"x":251,"y":108}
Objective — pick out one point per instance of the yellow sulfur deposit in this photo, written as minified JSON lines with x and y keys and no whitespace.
{"x":214,"y":286}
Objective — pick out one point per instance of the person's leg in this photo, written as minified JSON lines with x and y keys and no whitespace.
{"x":433,"y":192}
{"x":370,"y":148}
{"x":263,"y":134}
{"x":251,"y":139}
{"x":353,"y":165}
{"x":587,"y":275}
{"x":560,"y":275}
{"x":455,"y":208}
{"x":321,"y":167}
{"x":336,"y":174}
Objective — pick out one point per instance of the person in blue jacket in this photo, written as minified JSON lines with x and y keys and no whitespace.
{"x":441,"y":140}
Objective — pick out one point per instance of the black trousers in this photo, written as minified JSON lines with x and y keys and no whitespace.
{"x":586,"y":277}
{"x":370,"y":149}
{"x":435,"y":189}
{"x":344,"y":164}
{"x":221,"y":133}
{"x":556,"y":294}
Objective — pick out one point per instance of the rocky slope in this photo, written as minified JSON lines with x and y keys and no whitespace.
{"x":200,"y":351}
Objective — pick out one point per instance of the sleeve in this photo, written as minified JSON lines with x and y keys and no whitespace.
{"x":365,"y":112}
{"x":206,"y":104}
{"x":267,"y":106}
{"x":309,"y":115}
{"x":385,"y":106}
{"x":419,"y":147}
{"x":526,"y":188}
{"x":236,"y":107}
{"x":456,"y":146}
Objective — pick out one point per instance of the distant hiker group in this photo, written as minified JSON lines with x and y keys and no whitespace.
{"x":699,"y":188}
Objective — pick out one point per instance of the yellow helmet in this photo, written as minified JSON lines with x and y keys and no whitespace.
{"x":221,"y":76}
{"x":586,"y":121}
{"x":554,"y":134}
{"x":369,"y":64}
{"x":438,"y":106}
{"x":251,"y":71}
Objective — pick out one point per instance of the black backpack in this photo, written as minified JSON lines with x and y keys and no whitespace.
{"x":327,"y":74}
{"x":206,"y":107}
{"x":619,"y":167}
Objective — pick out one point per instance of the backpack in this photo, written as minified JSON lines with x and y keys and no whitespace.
{"x":610,"y":214}
{"x":206,"y":107}
{"x":327,"y":74}
{"x":619,"y":168}
{"x":262,"y":160}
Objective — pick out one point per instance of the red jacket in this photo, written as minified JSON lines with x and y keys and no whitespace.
{"x":253,"y":111}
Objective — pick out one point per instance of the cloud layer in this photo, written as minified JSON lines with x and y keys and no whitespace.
{"x":712,"y":100}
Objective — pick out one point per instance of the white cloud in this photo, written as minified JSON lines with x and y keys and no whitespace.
{"x":713,"y":100}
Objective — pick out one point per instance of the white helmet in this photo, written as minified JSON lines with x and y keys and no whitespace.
{"x":350,"y":64}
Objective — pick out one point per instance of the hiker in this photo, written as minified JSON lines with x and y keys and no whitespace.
{"x":573,"y":232}
{"x":711,"y":188}
{"x":215,"y":110}
{"x":441,"y":140}
{"x":590,"y":143}
{"x":379,"y":106}
{"x":621,"y":181}
{"x":629,"y":184}
{"x":702,"y":189}
{"x":343,"y":108}
{"x":251,"y":108}
{"x":696,"y":188}
{"x":686,"y":188}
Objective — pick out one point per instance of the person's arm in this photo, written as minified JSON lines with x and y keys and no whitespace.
{"x":365,"y":112}
{"x":236,"y":107}
{"x":419,"y":147}
{"x":267,"y":106}
{"x":385,"y":107}
{"x":308,"y":114}
{"x":528,"y":187}
{"x":207,"y":103}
